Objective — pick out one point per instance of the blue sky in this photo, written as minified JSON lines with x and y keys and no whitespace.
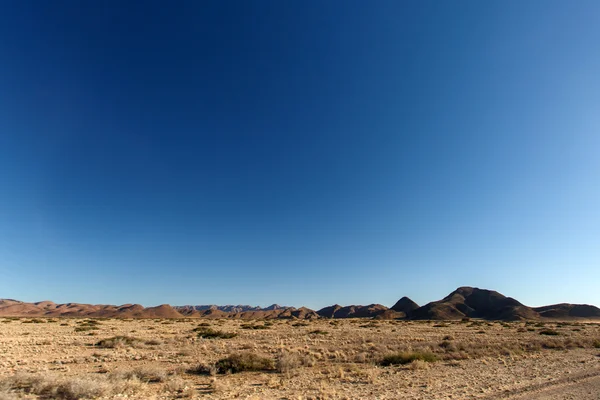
{"x":300,"y":153}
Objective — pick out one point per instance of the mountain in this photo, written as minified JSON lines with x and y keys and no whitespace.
{"x":464,"y":302}
{"x":13,"y":308}
{"x":568,"y":311}
{"x":475,"y":303}
{"x":188,"y":310}
{"x":337,"y":311}
{"x":405,"y":305}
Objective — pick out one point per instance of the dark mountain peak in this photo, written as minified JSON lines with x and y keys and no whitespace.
{"x":475,"y":303}
{"x":405,"y":305}
{"x":566,"y":311}
{"x":329,"y":312}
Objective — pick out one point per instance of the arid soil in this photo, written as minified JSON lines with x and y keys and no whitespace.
{"x":62,"y":358}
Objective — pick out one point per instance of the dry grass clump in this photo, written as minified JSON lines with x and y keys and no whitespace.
{"x":33,"y":321}
{"x":179,"y":389}
{"x":247,"y":361}
{"x":53,"y":387}
{"x":119,"y":342}
{"x":254,"y":326}
{"x":286,"y":362}
{"x":408,"y":357}
{"x":145,"y":374}
{"x":87,"y":325}
{"x":419,"y":365}
{"x":209,"y":333}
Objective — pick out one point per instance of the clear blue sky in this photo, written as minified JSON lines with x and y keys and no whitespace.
{"x":304,"y":153}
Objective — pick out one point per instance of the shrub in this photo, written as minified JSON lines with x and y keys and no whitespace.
{"x":287,"y":362}
{"x":318,"y":332}
{"x":203,"y":369}
{"x":54,"y":387}
{"x":418,"y":364}
{"x":408,"y":357}
{"x":549,"y":332}
{"x":253,"y":326}
{"x":144,"y":374}
{"x":244,"y":362}
{"x":596,"y":344}
{"x":86,"y":328}
{"x":119,"y":341}
{"x":209,"y":333}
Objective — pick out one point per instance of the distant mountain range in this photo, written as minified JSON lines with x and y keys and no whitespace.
{"x":464,"y":302}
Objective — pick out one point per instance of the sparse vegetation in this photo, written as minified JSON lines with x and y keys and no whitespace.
{"x":151,"y":359}
{"x":119,"y":341}
{"x":209,"y":333}
{"x":254,"y":326}
{"x":247,"y":361}
{"x":549,"y":332}
{"x":408,"y":357}
{"x":51,"y":386}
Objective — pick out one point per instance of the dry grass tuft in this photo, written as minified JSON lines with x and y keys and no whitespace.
{"x":209,"y":333}
{"x":119,"y":342}
{"x":75,"y":388}
{"x":144,"y":374}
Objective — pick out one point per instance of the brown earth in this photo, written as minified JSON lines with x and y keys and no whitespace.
{"x":71,"y":358}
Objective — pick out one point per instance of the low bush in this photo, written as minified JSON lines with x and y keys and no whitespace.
{"x":209,"y":333}
{"x":119,"y":341}
{"x":254,"y":326}
{"x":549,"y":332}
{"x":240,"y":362}
{"x":408,"y":357}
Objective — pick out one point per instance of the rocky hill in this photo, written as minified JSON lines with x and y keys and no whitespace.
{"x":464,"y":302}
{"x":468,"y":302}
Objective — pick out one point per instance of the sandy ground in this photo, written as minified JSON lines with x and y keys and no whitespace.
{"x":341,"y":359}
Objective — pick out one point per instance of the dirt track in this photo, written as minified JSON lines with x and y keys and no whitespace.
{"x":586,"y":388}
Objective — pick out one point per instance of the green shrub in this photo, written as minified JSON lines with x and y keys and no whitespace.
{"x":408,"y":357}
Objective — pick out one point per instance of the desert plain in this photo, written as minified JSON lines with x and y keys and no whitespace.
{"x":78,"y":358}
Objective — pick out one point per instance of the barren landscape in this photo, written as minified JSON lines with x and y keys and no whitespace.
{"x":73,"y":358}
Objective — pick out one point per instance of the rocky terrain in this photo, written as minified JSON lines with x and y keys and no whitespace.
{"x":348,"y":358}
